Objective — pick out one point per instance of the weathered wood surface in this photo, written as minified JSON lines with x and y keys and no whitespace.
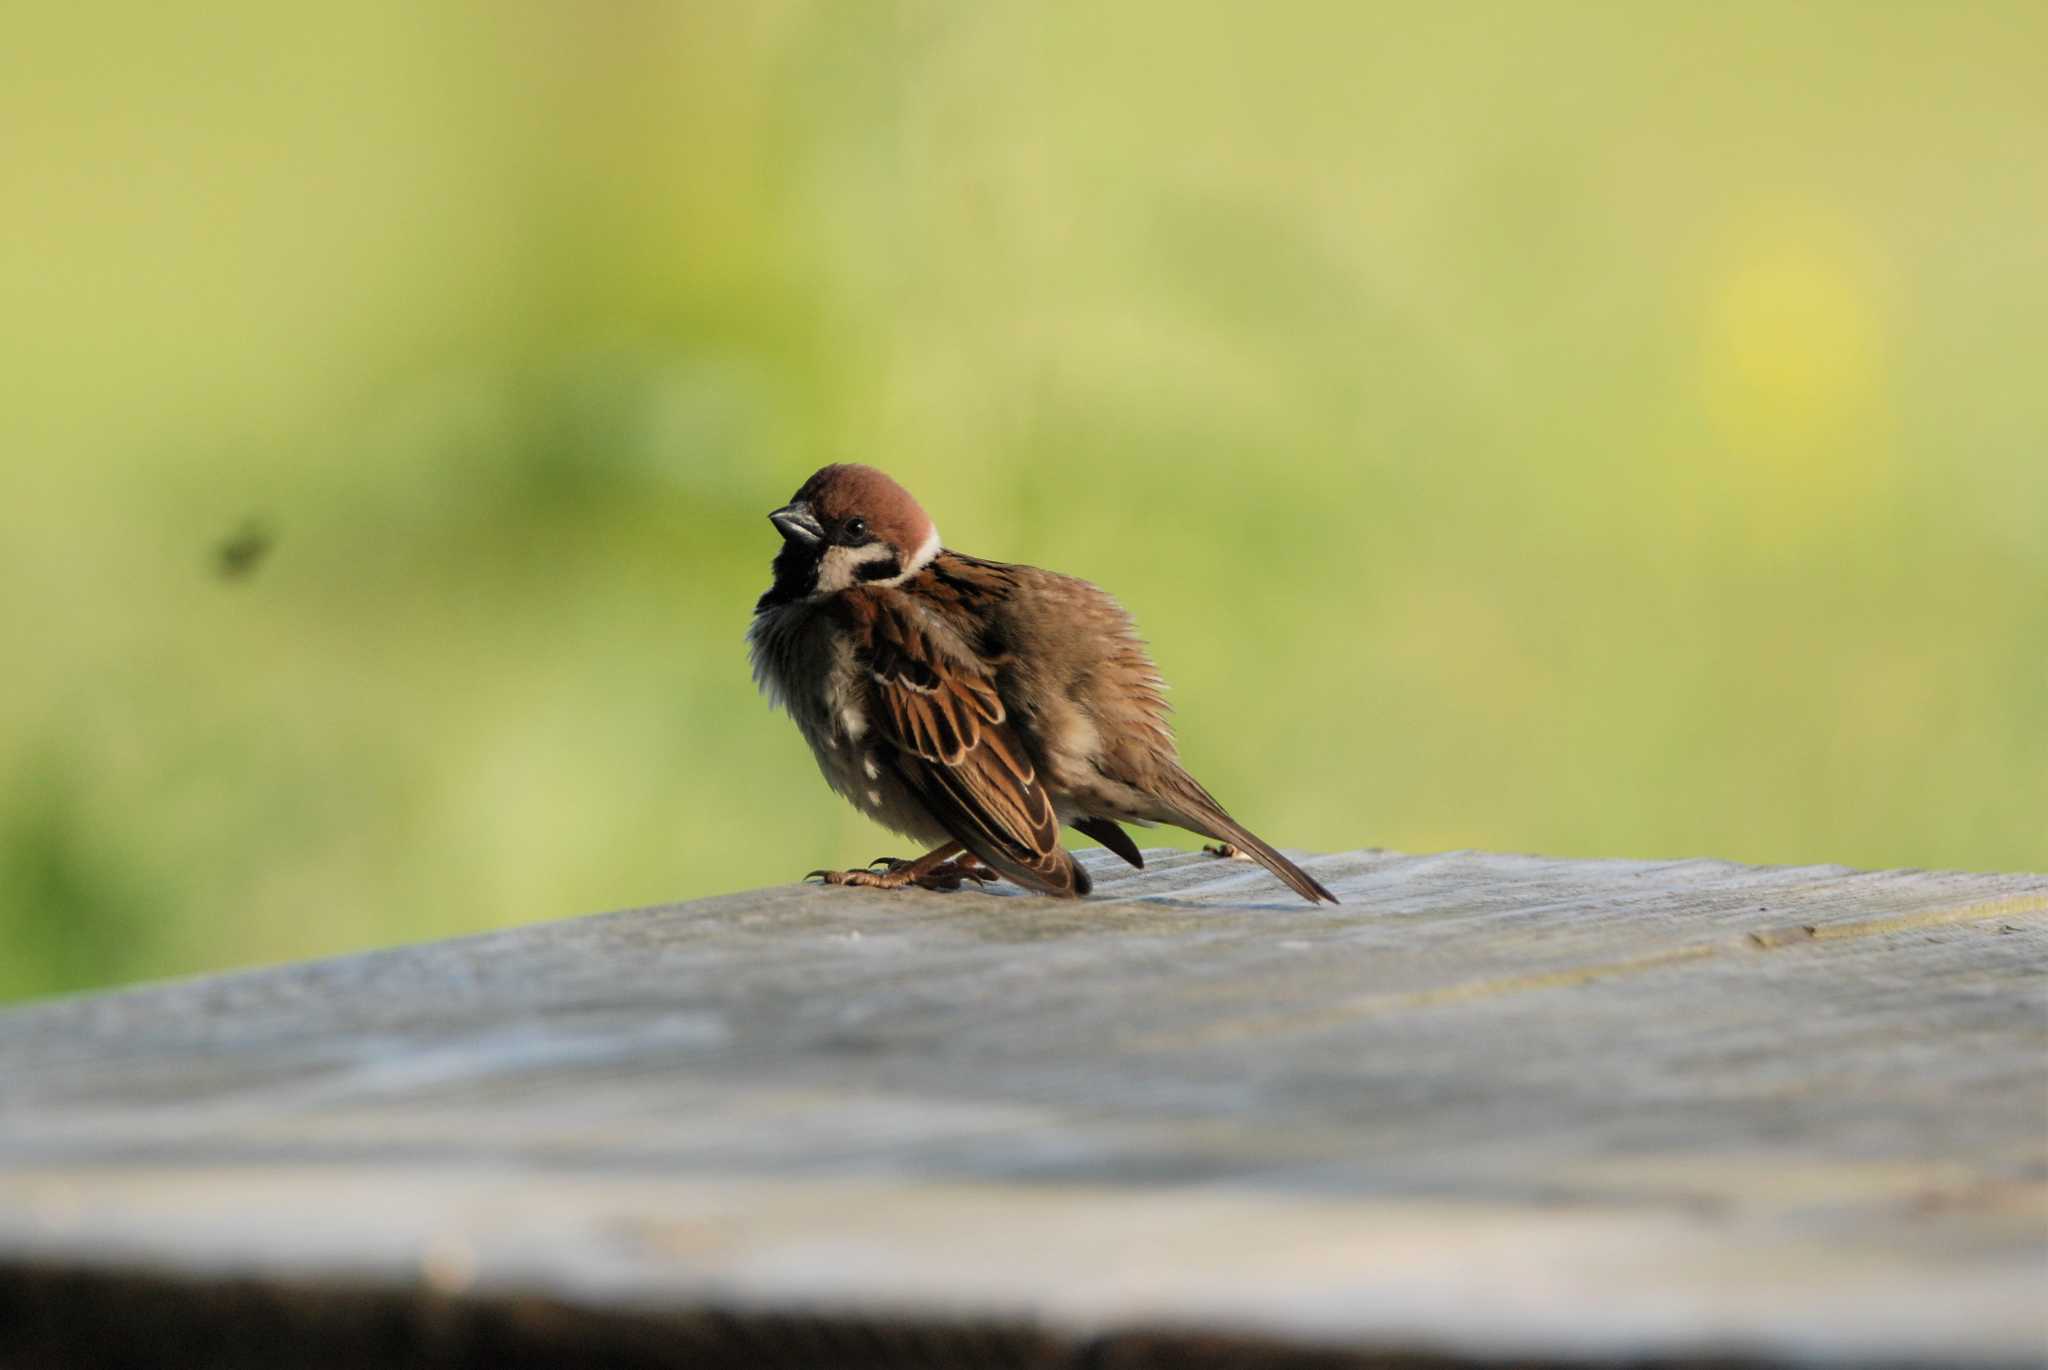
{"x":1492,"y":1106}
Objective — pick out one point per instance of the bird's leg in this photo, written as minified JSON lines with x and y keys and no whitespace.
{"x":947,"y":875}
{"x":966,"y":866}
{"x":935,"y":870}
{"x":1226,"y":851}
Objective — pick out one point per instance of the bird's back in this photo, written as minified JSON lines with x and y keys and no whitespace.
{"x":1072,"y":670}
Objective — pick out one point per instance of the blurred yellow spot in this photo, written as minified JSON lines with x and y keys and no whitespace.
{"x":1793,"y":354}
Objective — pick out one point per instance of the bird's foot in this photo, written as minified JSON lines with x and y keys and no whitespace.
{"x":1226,"y":851}
{"x":897,"y":874}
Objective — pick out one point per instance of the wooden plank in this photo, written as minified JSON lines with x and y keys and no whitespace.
{"x":1491,"y":1106}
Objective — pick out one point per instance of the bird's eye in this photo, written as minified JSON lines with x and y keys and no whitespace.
{"x":856,"y":529}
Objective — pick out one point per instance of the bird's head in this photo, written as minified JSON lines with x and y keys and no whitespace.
{"x":849,"y":525}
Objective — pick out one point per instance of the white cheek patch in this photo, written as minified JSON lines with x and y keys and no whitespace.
{"x":840,"y":566}
{"x":926,"y":550}
{"x":835,"y":570}
{"x":919,"y":559}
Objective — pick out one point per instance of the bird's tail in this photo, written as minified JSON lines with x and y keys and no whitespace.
{"x":1198,"y":810}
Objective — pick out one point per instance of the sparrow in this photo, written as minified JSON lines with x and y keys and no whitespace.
{"x":970,"y":705}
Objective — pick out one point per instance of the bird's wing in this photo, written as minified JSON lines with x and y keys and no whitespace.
{"x":1106,"y":831}
{"x":958,"y":752}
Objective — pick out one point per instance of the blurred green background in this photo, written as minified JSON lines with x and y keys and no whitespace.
{"x":1586,"y":428}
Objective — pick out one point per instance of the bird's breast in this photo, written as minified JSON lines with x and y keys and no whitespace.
{"x":807,"y":667}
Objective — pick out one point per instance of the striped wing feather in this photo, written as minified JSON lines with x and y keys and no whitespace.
{"x":956,"y":750}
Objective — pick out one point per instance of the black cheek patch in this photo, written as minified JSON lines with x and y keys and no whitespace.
{"x":886,"y":569}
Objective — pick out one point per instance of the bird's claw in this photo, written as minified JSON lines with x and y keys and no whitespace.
{"x":896,"y":874}
{"x":953,"y":873}
{"x":1226,"y":851}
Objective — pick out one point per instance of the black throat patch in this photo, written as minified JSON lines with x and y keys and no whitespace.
{"x":796,"y":576}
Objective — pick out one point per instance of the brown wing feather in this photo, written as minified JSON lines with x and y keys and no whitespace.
{"x":1106,"y":832}
{"x":1197,"y":810}
{"x":956,"y":750}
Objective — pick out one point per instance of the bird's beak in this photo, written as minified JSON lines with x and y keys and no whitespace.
{"x":797,"y":523}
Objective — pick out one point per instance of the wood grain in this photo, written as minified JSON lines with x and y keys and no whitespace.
{"x":1490,"y":1106}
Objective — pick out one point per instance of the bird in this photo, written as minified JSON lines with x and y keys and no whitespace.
{"x":971,"y":705}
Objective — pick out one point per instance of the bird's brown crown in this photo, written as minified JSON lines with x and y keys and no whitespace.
{"x":845,"y":491}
